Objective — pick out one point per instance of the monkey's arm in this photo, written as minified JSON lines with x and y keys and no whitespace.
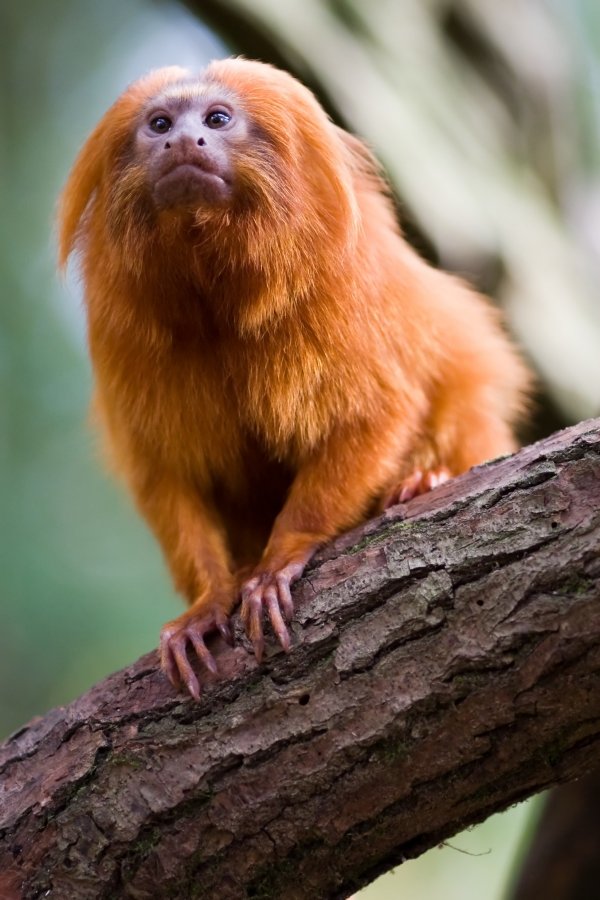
{"x":194,"y":545}
{"x":333,"y":490}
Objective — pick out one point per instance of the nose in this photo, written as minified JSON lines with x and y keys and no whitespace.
{"x":201,"y":142}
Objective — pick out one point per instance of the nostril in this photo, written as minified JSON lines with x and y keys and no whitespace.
{"x":167,"y":146}
{"x":201,"y":142}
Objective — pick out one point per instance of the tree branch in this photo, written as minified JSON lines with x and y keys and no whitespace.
{"x":446,"y":664}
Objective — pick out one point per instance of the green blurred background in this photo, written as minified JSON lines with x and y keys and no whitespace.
{"x":486,"y":116}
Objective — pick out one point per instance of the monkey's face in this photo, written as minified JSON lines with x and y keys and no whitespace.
{"x":241,"y":155}
{"x":186,"y":143}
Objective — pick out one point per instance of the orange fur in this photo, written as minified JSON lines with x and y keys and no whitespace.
{"x":268,"y":370}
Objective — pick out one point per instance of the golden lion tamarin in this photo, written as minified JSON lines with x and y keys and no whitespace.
{"x":273,"y":362}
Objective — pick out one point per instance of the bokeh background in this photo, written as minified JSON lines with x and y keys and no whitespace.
{"x":486,"y":115}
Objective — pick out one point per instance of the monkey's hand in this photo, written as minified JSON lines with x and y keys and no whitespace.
{"x":188,"y":632}
{"x":419,"y":482}
{"x":331,"y":492}
{"x":269,"y":590}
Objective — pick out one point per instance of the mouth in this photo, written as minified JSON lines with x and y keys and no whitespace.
{"x":192,"y":170}
{"x":188,"y":184}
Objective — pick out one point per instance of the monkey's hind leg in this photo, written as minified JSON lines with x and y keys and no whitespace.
{"x":463,"y":431}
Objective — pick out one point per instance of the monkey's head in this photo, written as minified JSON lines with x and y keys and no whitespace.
{"x":239,"y":143}
{"x":194,"y":142}
{"x":234,"y":179}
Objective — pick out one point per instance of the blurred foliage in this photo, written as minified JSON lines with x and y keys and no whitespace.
{"x":486,"y":117}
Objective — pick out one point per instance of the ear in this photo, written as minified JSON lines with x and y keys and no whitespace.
{"x":100,"y":152}
{"x":362,"y":161}
{"x":324,"y":163}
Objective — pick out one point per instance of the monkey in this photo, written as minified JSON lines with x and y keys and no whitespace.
{"x":273,"y":362}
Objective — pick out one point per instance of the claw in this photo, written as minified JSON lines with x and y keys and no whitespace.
{"x":185,"y":633}
{"x":169,"y":667}
{"x":419,"y":482}
{"x":269,"y":591}
{"x":277,"y":620}
{"x":285,"y":597}
{"x":225,"y":632}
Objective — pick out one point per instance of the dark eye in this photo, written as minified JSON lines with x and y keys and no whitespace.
{"x":217,"y":118}
{"x":161,"y":124}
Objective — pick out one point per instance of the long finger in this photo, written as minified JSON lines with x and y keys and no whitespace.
{"x":412,"y":486}
{"x":203,"y":652}
{"x":285,"y":597}
{"x":185,"y":669}
{"x":247,"y":593}
{"x":277,"y":619}
{"x":169,"y":666}
{"x":223,"y":624}
{"x":255,"y":626}
{"x":437,"y":477}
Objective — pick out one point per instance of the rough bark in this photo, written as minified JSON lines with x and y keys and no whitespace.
{"x":446,"y":664}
